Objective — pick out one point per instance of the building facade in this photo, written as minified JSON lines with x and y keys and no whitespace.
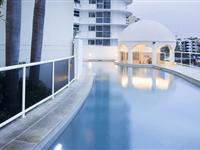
{"x":99,"y":22}
{"x":189,"y":44}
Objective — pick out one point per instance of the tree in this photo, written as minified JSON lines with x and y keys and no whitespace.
{"x":177,"y":48}
{"x":13,"y":29}
{"x":37,"y":37}
{"x":1,"y":2}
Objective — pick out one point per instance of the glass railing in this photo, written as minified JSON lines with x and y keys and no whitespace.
{"x":187,"y":58}
{"x":24,"y":87}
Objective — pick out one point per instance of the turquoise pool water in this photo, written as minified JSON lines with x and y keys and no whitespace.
{"x":135,"y":109}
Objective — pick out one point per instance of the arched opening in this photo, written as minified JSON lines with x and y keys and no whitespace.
{"x":163,"y":54}
{"x":142,"y":54}
{"x":123,"y":50}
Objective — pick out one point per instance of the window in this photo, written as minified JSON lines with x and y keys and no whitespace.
{"x":99,"y":42}
{"x":99,"y":28}
{"x":99,"y":1}
{"x":99,"y":6}
{"x":99,"y":14}
{"x":106,"y":5}
{"x":92,"y":1}
{"x":92,"y":14}
{"x":99,"y":34}
{"x":76,"y":27}
{"x":77,"y":1}
{"x":106,"y":20}
{"x":106,"y":28}
{"x":106,"y":14}
{"x":91,"y":28}
{"x":106,"y":42}
{"x":106,"y":34}
{"x":91,"y":42}
{"x":99,"y":20}
{"x":76,"y":13}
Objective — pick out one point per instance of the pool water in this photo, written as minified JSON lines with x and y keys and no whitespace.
{"x":135,"y":108}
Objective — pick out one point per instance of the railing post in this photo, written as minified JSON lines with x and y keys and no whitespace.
{"x":69,"y":70}
{"x":181,"y":58}
{"x":24,"y":93}
{"x":53,"y":79}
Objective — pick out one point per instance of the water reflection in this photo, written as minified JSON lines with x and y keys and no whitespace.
{"x":93,"y":127}
{"x":144,"y":78}
{"x":140,"y":116}
{"x":123,"y":76}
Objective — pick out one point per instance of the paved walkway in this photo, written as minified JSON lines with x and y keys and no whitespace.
{"x":46,"y":121}
{"x":191,"y":74}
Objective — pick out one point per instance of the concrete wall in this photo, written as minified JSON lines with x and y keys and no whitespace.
{"x":58,"y":30}
{"x":100,"y":52}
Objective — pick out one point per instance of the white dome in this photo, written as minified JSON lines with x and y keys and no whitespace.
{"x":146,"y":31}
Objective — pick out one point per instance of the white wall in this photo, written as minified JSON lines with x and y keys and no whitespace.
{"x":100,"y":52}
{"x":58,"y":30}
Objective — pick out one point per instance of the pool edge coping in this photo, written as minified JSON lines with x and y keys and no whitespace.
{"x":174,"y":72}
{"x":85,"y":81}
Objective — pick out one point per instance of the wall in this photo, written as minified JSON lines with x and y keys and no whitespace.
{"x":100,"y":52}
{"x":58,"y":30}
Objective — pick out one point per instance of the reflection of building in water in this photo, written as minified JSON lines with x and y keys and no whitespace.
{"x":123,"y":75}
{"x":145,"y":79}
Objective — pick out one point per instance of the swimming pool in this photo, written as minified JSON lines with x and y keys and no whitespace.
{"x":135,"y":108}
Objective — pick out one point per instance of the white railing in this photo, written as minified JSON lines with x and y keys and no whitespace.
{"x":190,"y":59}
{"x":25,"y":68}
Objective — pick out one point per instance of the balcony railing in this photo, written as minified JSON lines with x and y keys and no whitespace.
{"x":24,"y":87}
{"x":187,"y":58}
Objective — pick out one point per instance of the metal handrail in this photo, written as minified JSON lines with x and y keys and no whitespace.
{"x":33,"y":64}
{"x":24,"y":110}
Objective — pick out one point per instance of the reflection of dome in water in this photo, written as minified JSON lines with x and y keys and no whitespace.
{"x":147,"y":30}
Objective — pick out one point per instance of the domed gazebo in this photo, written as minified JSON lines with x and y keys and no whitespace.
{"x":146,"y":42}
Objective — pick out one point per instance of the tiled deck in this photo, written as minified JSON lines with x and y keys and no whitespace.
{"x":46,"y":121}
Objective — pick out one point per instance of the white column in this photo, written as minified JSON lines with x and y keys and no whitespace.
{"x":130,"y":56}
{"x":153,"y":54}
{"x":78,"y":57}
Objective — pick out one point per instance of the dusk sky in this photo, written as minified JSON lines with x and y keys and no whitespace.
{"x":181,"y":17}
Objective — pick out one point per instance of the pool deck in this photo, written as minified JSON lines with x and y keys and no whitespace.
{"x":45,"y":122}
{"x":191,"y":74}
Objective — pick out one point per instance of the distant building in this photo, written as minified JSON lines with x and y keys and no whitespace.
{"x":191,"y":44}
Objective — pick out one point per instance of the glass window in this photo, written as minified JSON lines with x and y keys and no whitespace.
{"x":92,"y":1}
{"x":106,"y":14}
{"x":99,"y":42}
{"x":106,"y":5}
{"x":106,"y":42}
{"x":106,"y":20}
{"x":99,"y":14}
{"x":106,"y":28}
{"x":92,"y":14}
{"x":91,"y":42}
{"x":99,"y":1}
{"x":106,"y":34}
{"x":99,"y":34}
{"x":99,"y":28}
{"x":99,"y":6}
{"x":76,"y":13}
{"x":91,"y":28}
{"x":99,"y":20}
